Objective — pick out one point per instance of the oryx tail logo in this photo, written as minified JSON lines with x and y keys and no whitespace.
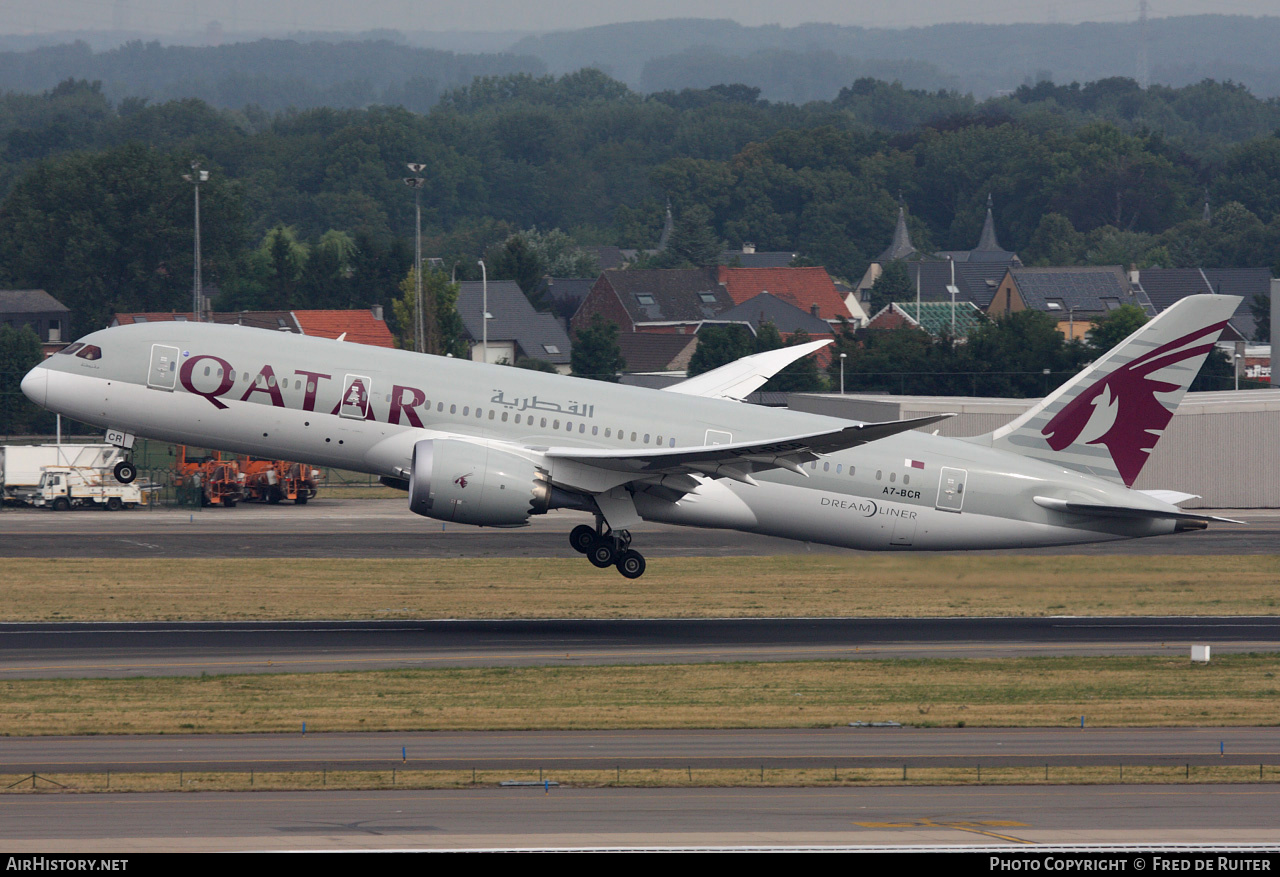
{"x":461,"y":480}
{"x":1121,"y":410}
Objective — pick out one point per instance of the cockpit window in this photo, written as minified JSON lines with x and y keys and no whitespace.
{"x":72,"y":348}
{"x":91,"y":352}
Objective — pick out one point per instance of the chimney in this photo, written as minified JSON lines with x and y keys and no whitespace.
{"x":377,"y":312}
{"x":813,"y":309}
{"x":748,"y":248}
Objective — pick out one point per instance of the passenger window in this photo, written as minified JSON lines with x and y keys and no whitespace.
{"x":479,"y":412}
{"x":466,"y":410}
{"x":633,"y":436}
{"x":504,"y":417}
{"x":517,"y":418}
{"x":544,"y":423}
{"x":893,"y":476}
{"x":879,"y":473}
{"x":491,"y":413}
{"x":453,"y":409}
{"x":271,"y":381}
{"x":555,"y":424}
{"x":826,"y":467}
{"x":207,"y":371}
{"x":439,"y":407}
{"x":607,"y":431}
{"x":646,"y":438}
{"x":851,"y":470}
{"x":311,"y":386}
{"x":906,"y":479}
{"x":595,"y":430}
{"x":672,"y":443}
{"x":839,"y":467}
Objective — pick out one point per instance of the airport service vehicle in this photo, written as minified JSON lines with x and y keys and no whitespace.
{"x":276,"y":480}
{"x":21,"y":466}
{"x":491,"y":445}
{"x":67,"y":487}
{"x":219,"y":482}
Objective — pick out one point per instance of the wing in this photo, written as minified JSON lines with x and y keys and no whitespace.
{"x":742,"y":377}
{"x":738,"y":460}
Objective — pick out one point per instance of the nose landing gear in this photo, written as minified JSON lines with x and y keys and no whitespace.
{"x":605,"y":548}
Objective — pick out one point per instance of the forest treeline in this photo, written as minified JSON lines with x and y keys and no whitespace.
{"x":309,"y":208}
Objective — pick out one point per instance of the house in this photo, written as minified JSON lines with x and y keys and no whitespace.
{"x":935,"y":317}
{"x":566,"y":294}
{"x":1164,"y":286}
{"x":975,"y":269}
{"x":360,"y":326}
{"x":809,"y":289}
{"x":1072,"y":296}
{"x":516,"y":331}
{"x":49,"y":318}
{"x":665,"y":300}
{"x":650,"y":352}
{"x":748,"y":257}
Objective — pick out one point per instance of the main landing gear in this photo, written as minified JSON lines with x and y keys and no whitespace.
{"x":125,"y":472}
{"x":606,"y":548}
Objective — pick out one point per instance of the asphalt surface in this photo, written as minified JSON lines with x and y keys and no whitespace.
{"x":843,"y":748}
{"x":346,"y":528}
{"x":988,"y":818}
{"x":32,"y":650}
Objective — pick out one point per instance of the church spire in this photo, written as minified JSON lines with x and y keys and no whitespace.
{"x":901,"y":248}
{"x":988,"y":239}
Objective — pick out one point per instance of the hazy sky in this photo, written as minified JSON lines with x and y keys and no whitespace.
{"x":170,"y":16}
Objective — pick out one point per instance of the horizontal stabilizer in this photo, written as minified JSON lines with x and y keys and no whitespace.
{"x":739,"y":379}
{"x":1119,"y":511}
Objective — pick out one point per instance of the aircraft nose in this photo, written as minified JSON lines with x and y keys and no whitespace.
{"x":36,"y":385}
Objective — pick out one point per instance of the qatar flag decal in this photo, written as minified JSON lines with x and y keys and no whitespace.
{"x":913,"y":464}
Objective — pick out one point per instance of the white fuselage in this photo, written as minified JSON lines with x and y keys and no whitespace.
{"x":285,"y":396}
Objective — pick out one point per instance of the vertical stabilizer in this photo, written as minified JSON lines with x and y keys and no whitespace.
{"x":1107,"y":419}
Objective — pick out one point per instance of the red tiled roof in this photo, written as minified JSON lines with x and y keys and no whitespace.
{"x":360,"y":326}
{"x":801,"y":287}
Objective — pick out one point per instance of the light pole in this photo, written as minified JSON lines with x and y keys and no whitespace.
{"x":843,"y":356}
{"x":484,"y":312}
{"x":415,"y":182}
{"x":954,"y":290}
{"x":1238,"y":358}
{"x":196,"y":177}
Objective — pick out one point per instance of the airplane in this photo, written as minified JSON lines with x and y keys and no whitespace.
{"x":491,"y":445}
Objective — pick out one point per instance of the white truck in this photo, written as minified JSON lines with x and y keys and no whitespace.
{"x":67,"y":487}
{"x":22,"y":466}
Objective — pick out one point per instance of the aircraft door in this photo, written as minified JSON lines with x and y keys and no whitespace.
{"x":356,"y":391}
{"x":951,"y":489}
{"x":163,"y":372}
{"x":716,"y":437}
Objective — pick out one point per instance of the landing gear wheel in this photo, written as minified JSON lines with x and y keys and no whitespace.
{"x":603,"y":553}
{"x":114,"y":504}
{"x":581,"y":538}
{"x":125,"y":472}
{"x":631,"y":564}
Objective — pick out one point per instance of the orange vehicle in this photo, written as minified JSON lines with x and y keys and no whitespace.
{"x":219,"y":481}
{"x":276,"y":480}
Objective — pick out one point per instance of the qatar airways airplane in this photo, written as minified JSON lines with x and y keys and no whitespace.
{"x":491,"y":445}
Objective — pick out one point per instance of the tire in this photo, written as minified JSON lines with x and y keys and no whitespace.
{"x":61,"y":504}
{"x":114,"y":504}
{"x":581,"y":538}
{"x":125,"y":472}
{"x":131,"y":505}
{"x":228,"y":503}
{"x":631,"y":564}
{"x":603,"y":553}
{"x":301,"y":499}
{"x":275,"y":496}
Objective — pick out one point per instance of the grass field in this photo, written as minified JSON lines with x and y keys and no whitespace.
{"x":1026,"y":692}
{"x":818,"y":585}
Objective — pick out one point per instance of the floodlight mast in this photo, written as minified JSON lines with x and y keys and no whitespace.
{"x":196,"y":177}
{"x":416,"y":183}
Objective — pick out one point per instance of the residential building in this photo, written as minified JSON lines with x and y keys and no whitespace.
{"x":935,"y":317}
{"x":516,"y":331}
{"x":1164,"y":286}
{"x":360,"y":326}
{"x":1073,"y":296}
{"x":49,"y":318}
{"x":665,"y":300}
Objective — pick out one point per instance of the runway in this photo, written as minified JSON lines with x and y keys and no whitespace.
{"x":349,"y":528}
{"x":991,"y":817}
{"x":843,"y":748}
{"x":32,"y":651}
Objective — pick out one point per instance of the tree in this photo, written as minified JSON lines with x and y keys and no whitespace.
{"x":720,"y":345}
{"x":442,"y":327}
{"x":1055,"y":242}
{"x":693,"y":242}
{"x":1260,"y":305}
{"x":596,"y":354}
{"x":1112,"y":328}
{"x":800,"y":376}
{"x":893,"y":284}
{"x":19,"y":353}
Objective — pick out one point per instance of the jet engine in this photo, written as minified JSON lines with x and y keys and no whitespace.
{"x":470,"y":483}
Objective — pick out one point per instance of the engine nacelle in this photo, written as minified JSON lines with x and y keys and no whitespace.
{"x":469,"y":483}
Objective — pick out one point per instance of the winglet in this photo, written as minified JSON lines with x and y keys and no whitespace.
{"x":742,"y":377}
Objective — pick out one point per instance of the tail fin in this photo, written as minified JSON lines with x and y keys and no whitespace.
{"x":1107,"y":419}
